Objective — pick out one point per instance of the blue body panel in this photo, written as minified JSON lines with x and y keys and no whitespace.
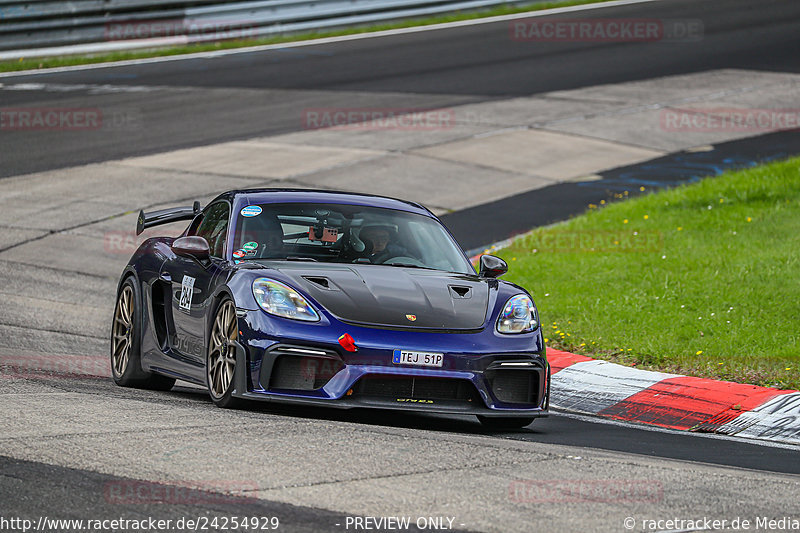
{"x":179,"y":351}
{"x":465,"y":355}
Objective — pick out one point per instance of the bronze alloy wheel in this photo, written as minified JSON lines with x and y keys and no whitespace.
{"x":122,"y":332}
{"x":222,"y":350}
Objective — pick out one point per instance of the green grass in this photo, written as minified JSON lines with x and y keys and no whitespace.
{"x":63,"y":61}
{"x":714,"y":292}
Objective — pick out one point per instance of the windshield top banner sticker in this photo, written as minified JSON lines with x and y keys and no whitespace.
{"x":251,"y":211}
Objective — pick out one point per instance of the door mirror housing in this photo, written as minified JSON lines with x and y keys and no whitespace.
{"x":492,"y":266}
{"x":192,"y":246}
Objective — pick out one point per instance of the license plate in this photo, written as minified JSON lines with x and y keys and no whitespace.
{"x":405,"y":357}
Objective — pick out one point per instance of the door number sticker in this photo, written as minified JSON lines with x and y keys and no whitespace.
{"x":187,"y":289}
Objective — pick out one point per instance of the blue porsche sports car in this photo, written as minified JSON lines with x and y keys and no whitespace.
{"x":328,"y":299}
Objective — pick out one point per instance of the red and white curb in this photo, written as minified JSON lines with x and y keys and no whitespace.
{"x":584,"y":385}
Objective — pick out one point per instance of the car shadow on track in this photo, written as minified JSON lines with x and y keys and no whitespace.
{"x":372,"y":417}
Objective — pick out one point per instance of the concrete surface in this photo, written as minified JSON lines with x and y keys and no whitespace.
{"x":555,"y":156}
{"x":65,"y":240}
{"x":257,"y":159}
{"x":478,"y":152}
{"x":353,"y":468}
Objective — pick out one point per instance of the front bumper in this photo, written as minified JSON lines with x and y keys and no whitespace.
{"x":315,"y":370}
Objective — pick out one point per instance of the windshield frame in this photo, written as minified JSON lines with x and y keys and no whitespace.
{"x":242,"y":202}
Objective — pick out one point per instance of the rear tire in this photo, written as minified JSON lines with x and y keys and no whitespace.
{"x":126,"y":333}
{"x":221,"y":356}
{"x":504,"y":423}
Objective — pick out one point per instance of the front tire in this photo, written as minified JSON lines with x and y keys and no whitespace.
{"x":504,"y":423}
{"x":221,"y":356}
{"x":126,"y":332}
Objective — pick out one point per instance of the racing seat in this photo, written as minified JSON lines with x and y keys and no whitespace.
{"x":266,"y":231}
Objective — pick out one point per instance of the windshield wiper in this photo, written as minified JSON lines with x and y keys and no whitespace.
{"x":298,"y":258}
{"x":407,"y":265}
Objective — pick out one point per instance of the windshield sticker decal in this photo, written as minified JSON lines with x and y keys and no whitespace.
{"x":251,"y":211}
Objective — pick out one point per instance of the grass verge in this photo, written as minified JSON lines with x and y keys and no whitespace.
{"x":702,"y":280}
{"x":63,"y":61}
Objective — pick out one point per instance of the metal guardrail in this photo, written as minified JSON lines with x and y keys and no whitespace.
{"x":36,"y":26}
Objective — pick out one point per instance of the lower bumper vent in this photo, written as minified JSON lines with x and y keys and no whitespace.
{"x":295,"y":372}
{"x":515,"y":386}
{"x":415,"y":388}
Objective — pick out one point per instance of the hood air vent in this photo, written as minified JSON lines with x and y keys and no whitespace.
{"x":321,"y":282}
{"x":460,"y":292}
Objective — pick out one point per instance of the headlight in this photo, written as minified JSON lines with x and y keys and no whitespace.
{"x":518,"y":315}
{"x":281,"y":300}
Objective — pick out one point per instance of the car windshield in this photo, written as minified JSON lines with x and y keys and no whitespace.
{"x":337,"y":233}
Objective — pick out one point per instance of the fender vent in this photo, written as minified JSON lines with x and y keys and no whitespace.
{"x":159,"y":295}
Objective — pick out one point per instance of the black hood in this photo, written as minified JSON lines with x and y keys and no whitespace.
{"x":378,"y":295}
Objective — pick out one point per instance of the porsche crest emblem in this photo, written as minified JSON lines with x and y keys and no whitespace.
{"x":412,"y":318}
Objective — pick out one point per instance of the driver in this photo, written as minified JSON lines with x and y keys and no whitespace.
{"x":379,"y":243}
{"x":272,"y":237}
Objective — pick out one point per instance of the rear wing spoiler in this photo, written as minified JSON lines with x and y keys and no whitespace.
{"x":165,"y":216}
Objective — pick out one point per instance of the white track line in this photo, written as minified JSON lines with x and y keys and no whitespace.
{"x":328,"y":40}
{"x":647,"y":427}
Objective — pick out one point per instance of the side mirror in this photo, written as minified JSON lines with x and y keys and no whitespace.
{"x":196,"y":247}
{"x":492,"y":267}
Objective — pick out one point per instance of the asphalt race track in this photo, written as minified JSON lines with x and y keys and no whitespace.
{"x":477,"y":226}
{"x":204,"y":101}
{"x":73,"y":445}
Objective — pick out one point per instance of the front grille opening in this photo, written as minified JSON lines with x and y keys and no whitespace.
{"x":514,"y":386}
{"x":294,"y":372}
{"x":420,"y":388}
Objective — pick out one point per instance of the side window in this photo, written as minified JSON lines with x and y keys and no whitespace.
{"x":214,"y":228}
